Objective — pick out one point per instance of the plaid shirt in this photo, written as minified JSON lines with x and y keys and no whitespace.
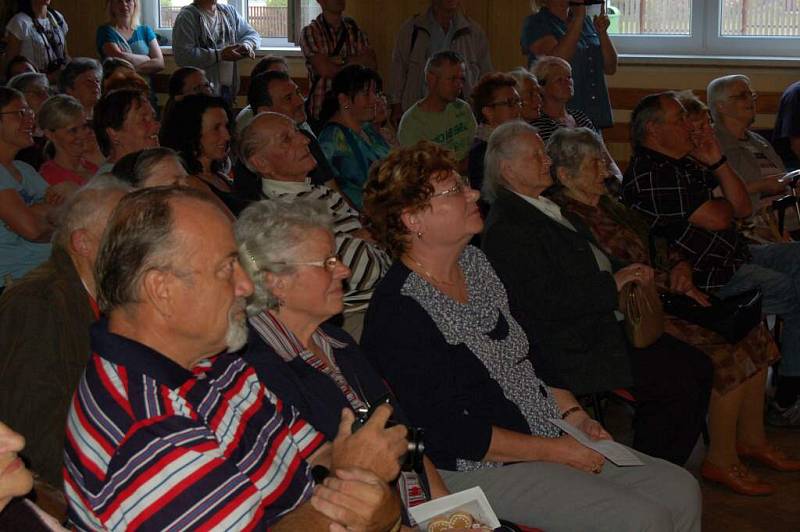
{"x":667,"y":191}
{"x":319,"y":38}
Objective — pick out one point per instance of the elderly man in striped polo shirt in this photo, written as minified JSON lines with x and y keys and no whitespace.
{"x":273,"y":147}
{"x":167,"y":431}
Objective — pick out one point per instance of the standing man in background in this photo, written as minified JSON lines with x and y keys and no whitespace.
{"x":214,"y":37}
{"x":330,"y":42}
{"x":442,"y":27}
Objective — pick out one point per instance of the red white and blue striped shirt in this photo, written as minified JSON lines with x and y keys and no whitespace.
{"x":151,"y":445}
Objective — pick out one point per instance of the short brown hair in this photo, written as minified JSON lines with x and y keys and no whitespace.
{"x":402,"y":182}
{"x":483,"y":92}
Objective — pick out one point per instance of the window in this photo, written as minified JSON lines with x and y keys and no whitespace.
{"x":706,"y":27}
{"x":274,"y":20}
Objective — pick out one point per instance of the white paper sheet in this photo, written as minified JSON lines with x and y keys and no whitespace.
{"x":615,"y":452}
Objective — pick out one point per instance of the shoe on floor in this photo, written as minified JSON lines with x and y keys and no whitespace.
{"x":769,"y":456}
{"x":789,"y":417}
{"x":736,"y":477}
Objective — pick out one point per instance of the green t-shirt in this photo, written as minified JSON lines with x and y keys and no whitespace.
{"x":453,"y":128}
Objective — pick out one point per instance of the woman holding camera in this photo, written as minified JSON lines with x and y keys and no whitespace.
{"x":40,"y":34}
{"x":288,"y":249}
{"x":440,"y":330}
{"x":561,"y":28}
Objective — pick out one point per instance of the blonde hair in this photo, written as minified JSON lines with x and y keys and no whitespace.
{"x":545,"y":65}
{"x":135,"y":14}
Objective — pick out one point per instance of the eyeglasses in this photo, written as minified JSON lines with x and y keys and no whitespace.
{"x":510,"y":102}
{"x":747,"y":95}
{"x":329,"y":263}
{"x":461,"y":185}
{"x":25,"y":112}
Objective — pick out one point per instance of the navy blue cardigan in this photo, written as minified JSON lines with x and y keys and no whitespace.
{"x":442,"y":388}
{"x":315,"y":396}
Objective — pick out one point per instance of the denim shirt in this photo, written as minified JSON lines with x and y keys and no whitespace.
{"x":591,"y":91}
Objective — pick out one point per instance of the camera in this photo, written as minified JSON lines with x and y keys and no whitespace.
{"x":588,"y":3}
{"x":412,"y":461}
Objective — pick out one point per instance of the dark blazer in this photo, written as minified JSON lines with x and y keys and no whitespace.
{"x":559,"y":296}
{"x":247,"y":185}
{"x":315,"y":396}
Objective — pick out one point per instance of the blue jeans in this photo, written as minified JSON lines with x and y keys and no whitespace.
{"x":775,"y":270}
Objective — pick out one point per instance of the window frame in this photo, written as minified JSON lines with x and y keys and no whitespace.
{"x":149,"y":16}
{"x":705,"y":39}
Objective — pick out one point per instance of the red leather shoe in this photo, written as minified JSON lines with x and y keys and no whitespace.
{"x":736,"y":477}
{"x":769,"y":456}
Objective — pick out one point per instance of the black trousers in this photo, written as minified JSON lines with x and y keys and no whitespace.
{"x":672,"y":387}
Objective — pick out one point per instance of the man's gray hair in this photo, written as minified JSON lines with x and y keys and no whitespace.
{"x":717,"y":92}
{"x":268,"y":233}
{"x":85,"y":206}
{"x":647,"y":111}
{"x":504,"y":142}
{"x":253,"y":138}
{"x":437,"y":60}
{"x":569,"y":147}
{"x":23,"y":82}
{"x":139,"y":238}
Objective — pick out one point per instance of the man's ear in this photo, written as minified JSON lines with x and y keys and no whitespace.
{"x":80,"y":241}
{"x":158,"y":288}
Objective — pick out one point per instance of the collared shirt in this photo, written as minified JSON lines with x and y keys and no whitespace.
{"x":153,"y":445}
{"x":367,"y":262}
{"x":289,"y":347}
{"x":319,"y":38}
{"x":667,"y":191}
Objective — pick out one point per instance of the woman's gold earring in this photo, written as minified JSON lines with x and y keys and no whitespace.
{"x":419,"y":235}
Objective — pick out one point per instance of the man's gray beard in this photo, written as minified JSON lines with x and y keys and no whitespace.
{"x":236,"y":336}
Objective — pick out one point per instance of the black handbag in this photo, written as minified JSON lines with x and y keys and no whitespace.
{"x":733,"y":318}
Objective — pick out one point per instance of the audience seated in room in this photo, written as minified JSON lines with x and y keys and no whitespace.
{"x":313,"y":365}
{"x":670,"y":181}
{"x":582,"y":346}
{"x":329,"y":43}
{"x":277,"y":152}
{"x":44,"y":328}
{"x":198,"y":129}
{"x":16,"y":481}
{"x":80,"y":78}
{"x":561,"y":28}
{"x":27,"y":204}
{"x":555,"y":76}
{"x":495,"y":101}
{"x":736,"y":410}
{"x":183,"y":82}
{"x":218,"y":54}
{"x":349,"y":140}
{"x":173,"y":293}
{"x":36,"y":89}
{"x":276,"y":92}
{"x":440,"y":331}
{"x":270,"y":63}
{"x":18,"y":65}
{"x":124,"y":122}
{"x":530,"y":92}
{"x":441,"y":116}
{"x":153,"y":167}
{"x":71,"y":141}
{"x":442,"y":27}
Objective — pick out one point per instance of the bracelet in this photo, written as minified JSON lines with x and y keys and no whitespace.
{"x":569,"y":411}
{"x":717,"y":164}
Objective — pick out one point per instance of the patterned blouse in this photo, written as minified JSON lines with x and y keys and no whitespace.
{"x":503,"y":351}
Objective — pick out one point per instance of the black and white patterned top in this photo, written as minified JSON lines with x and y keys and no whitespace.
{"x":485,"y":325}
